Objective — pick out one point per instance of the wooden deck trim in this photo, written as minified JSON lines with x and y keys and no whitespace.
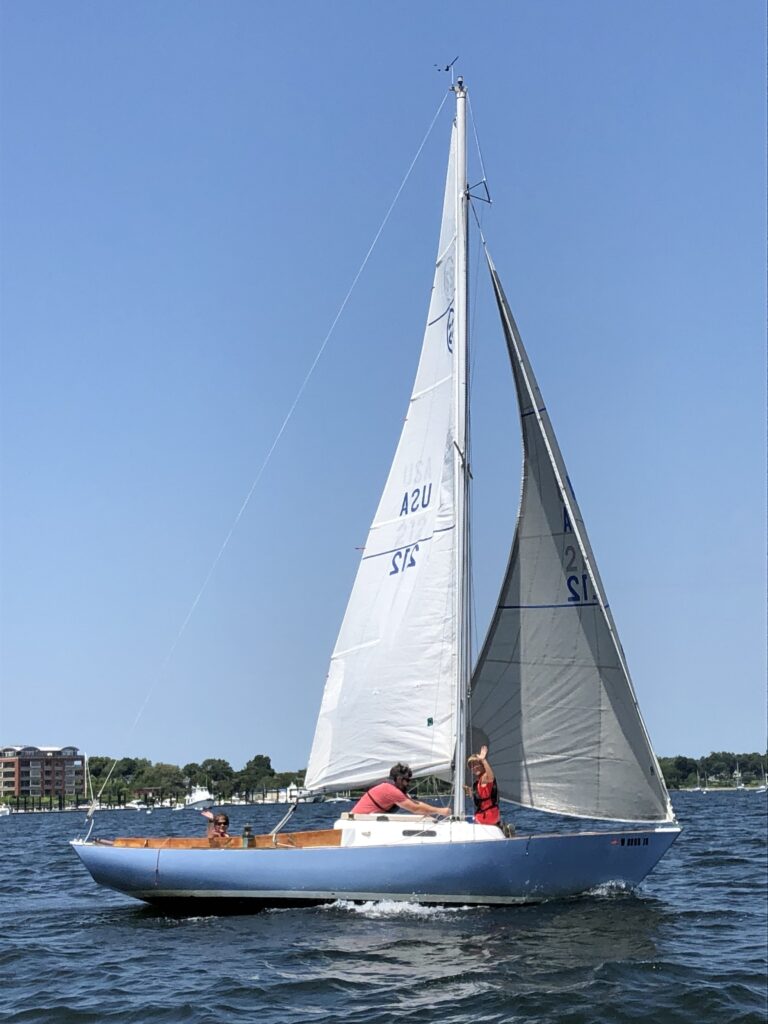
{"x":281,"y":841}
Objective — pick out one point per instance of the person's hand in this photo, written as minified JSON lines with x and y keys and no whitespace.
{"x":467,"y":790}
{"x":207,"y":814}
{"x":483,"y":753}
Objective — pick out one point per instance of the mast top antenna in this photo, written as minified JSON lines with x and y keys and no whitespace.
{"x":448,"y":67}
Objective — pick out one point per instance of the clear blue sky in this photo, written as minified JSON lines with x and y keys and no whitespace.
{"x":187,"y":191}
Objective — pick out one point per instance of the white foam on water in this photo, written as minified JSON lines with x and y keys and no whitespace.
{"x":392,"y":908}
{"x":611,"y":889}
{"x":198,"y":919}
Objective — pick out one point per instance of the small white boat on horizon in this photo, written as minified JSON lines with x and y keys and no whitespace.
{"x":197,"y":800}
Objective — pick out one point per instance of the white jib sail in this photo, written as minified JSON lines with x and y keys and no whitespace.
{"x":389,"y":695}
{"x":551,"y":692}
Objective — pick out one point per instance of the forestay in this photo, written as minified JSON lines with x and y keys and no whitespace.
{"x":389,"y":695}
{"x":551,"y":692}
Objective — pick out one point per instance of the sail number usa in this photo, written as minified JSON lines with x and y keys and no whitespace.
{"x":417,"y":499}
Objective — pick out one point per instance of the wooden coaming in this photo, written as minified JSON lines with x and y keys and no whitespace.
{"x":281,"y":841}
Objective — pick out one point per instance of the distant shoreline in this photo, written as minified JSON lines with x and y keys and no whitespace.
{"x":153,"y":810}
{"x":719,"y":789}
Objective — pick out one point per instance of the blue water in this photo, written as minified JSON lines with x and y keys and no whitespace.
{"x":690,"y":946}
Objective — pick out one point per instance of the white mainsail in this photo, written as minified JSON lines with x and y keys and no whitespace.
{"x":551,"y":693}
{"x":390,"y":691}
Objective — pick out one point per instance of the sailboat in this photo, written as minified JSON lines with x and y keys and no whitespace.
{"x":550,"y":694}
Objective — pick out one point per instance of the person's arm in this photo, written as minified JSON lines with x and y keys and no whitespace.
{"x":487,"y":777}
{"x":206,"y":813}
{"x":418,"y":807}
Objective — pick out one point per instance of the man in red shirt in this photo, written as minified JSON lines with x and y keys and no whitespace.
{"x":388,"y":796}
{"x":484,"y":791}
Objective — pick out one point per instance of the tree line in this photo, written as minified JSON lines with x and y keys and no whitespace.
{"x":135,"y":776}
{"x":716,"y":769}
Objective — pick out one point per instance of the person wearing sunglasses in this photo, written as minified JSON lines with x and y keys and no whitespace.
{"x":389,"y":796}
{"x":217,"y":824}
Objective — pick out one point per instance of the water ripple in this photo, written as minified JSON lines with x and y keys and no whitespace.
{"x":688,"y":948}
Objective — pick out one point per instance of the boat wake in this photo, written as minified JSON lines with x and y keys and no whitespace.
{"x":377,"y":909}
{"x":611,"y":889}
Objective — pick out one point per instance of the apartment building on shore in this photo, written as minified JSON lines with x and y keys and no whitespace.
{"x":41,"y":771}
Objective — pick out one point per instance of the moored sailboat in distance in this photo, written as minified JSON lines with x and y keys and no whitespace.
{"x":550,"y":694}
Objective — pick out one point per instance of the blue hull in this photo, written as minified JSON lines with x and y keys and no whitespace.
{"x":522,"y":869}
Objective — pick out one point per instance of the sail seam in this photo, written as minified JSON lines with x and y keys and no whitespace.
{"x":357,"y":647}
{"x":432,"y":387}
{"x":581,"y":604}
{"x":421,"y":540}
{"x":439,"y":318}
{"x":442,"y":255}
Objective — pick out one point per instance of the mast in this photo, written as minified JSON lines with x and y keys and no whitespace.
{"x":461,"y":454}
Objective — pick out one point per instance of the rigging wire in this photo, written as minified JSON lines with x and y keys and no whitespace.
{"x":477,"y":140}
{"x":275,"y":442}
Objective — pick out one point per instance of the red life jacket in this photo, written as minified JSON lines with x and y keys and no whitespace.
{"x":485,"y":804}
